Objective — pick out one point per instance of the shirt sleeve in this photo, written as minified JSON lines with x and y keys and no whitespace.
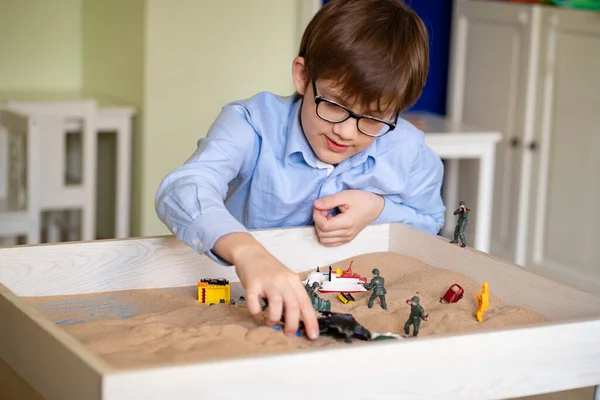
{"x":421,"y":206}
{"x":190,"y":199}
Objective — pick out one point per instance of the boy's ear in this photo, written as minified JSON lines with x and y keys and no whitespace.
{"x":299,"y":74}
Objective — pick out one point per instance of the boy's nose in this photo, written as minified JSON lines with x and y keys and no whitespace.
{"x":347,"y":130}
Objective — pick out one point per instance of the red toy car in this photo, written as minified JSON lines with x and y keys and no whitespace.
{"x":454,"y":294}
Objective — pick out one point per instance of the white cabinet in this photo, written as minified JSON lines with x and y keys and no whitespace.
{"x":532,"y":72}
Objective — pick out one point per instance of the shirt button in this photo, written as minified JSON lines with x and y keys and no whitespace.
{"x":197,"y":243}
{"x":174,"y":229}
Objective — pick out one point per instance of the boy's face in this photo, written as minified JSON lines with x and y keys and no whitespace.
{"x":331,"y":142}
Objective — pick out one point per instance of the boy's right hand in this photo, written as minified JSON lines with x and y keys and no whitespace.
{"x":263,"y":276}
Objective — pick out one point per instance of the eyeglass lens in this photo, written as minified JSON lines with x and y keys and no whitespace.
{"x":334,"y":113}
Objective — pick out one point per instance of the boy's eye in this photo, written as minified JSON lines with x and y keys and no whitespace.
{"x":370,"y":126}
{"x":332,"y":112}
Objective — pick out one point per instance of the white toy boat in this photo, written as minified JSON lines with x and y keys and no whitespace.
{"x":331,"y":282}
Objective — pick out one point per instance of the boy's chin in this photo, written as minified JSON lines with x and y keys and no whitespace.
{"x":331,"y":157}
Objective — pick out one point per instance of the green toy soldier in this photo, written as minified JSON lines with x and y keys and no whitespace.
{"x":377,"y":284}
{"x":416,"y":315}
{"x":461,"y":224}
{"x":318,"y":303}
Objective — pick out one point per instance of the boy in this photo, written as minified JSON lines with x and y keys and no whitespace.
{"x":337,"y":146}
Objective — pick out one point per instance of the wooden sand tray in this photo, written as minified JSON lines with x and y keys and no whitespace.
{"x":487,"y":364}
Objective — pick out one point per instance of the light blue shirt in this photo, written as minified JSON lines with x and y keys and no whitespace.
{"x":255,"y":169}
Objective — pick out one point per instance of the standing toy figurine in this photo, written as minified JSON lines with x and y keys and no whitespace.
{"x":461,"y":224}
{"x":483,"y":301}
{"x":417,"y":313}
{"x":377,"y":284}
{"x":318,"y":303}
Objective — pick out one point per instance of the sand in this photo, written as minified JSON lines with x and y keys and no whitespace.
{"x":138,"y":328}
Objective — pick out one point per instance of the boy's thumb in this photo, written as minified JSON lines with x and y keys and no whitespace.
{"x":319,"y":217}
{"x":327,"y":202}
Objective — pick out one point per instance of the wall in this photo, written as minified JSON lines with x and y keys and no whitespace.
{"x":40,"y":45}
{"x":113,"y":49}
{"x":113,"y":69}
{"x":200,"y":55}
{"x":179,"y":63}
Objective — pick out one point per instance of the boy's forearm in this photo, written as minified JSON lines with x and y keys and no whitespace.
{"x":237,"y":246}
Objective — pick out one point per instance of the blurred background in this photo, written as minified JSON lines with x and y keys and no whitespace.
{"x":101,"y":99}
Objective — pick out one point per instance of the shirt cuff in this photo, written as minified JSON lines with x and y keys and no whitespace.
{"x":206,"y":230}
{"x":213,"y":256}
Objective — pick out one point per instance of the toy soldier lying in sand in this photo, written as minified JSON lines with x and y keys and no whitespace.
{"x":318,"y":303}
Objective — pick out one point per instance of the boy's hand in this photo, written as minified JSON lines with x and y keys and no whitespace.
{"x":358,"y":208}
{"x":263,"y":276}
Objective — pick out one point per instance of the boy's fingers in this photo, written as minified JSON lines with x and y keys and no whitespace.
{"x":332,"y":201}
{"x":309,"y":316}
{"x":307,"y":312}
{"x":253,"y":301}
{"x":334,"y":242}
{"x":339,"y":222}
{"x":292,"y":312}
{"x":275,"y":308}
{"x":320,"y":218}
{"x":319,"y":214}
{"x":337,"y":233}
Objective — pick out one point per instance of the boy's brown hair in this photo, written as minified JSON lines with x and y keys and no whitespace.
{"x":377,"y":51}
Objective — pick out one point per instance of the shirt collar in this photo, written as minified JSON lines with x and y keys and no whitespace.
{"x":297,"y":144}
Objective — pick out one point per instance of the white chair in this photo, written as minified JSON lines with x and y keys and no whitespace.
{"x":68,"y":178}
{"x":20,"y":153}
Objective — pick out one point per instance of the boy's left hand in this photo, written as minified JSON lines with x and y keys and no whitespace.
{"x":358,"y":208}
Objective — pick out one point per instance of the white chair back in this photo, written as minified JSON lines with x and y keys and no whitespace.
{"x":68,"y":174}
{"x":21,"y":175}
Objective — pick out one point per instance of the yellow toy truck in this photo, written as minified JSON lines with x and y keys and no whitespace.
{"x":345,"y":297}
{"x":214,"y":291}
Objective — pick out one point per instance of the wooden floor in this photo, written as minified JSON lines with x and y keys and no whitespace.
{"x":13,"y":387}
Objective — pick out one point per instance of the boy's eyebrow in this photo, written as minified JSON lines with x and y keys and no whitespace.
{"x":331,"y":96}
{"x":324,"y":92}
{"x":335,"y":97}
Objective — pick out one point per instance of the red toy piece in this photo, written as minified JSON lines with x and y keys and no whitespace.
{"x":453,"y":294}
{"x":349,"y":274}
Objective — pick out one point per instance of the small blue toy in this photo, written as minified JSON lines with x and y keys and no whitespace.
{"x":278,"y":328}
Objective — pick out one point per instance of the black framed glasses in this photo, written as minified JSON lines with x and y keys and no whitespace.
{"x":331,"y":111}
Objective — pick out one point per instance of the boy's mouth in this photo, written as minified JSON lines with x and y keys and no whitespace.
{"x":333,"y":146}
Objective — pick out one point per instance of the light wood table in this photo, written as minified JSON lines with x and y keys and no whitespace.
{"x":560,"y":354}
